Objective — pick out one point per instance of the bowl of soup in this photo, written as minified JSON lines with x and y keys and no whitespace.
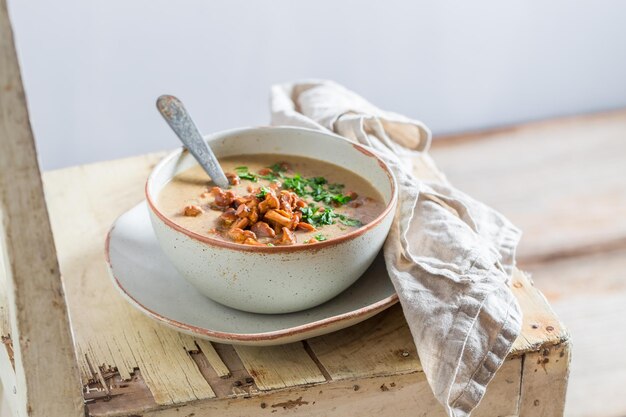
{"x":304,"y":215}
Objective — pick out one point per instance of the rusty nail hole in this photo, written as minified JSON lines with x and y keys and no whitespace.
{"x":549,"y":328}
{"x":263,"y":405}
{"x":534,"y":326}
{"x":536,"y":403}
{"x":393,"y":384}
{"x":356,"y":387}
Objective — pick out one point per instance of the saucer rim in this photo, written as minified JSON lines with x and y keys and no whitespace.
{"x":291,"y":332}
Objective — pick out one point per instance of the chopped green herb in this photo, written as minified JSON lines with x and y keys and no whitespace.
{"x":248,"y":176}
{"x":320,"y":237}
{"x":349,"y":221}
{"x":270,"y":177}
{"x":264,"y":191}
{"x":336,"y":188}
{"x":307,"y":211}
{"x":327,"y":216}
{"x":341,"y":199}
{"x":295,"y":183}
{"x":270,"y":244}
{"x":245,"y":174}
{"x":318,"y":218}
{"x":318,"y":188}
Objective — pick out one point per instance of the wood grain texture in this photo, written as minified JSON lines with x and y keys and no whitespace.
{"x":540,"y":325}
{"x":589,"y":294}
{"x":274,"y":367}
{"x":111,"y":335}
{"x":386,"y":396}
{"x":8,"y":384}
{"x":544,"y":381}
{"x":213,"y":358}
{"x":382,"y":345}
{"x":46,"y":377}
{"x":560,"y":181}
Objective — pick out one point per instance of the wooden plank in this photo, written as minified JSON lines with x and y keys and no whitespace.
{"x":214,"y":359}
{"x":544,"y":382}
{"x":560,"y":181}
{"x":46,"y":374}
{"x":281,"y":366}
{"x":381,"y":345}
{"x":125,"y":397}
{"x":589,"y":294}
{"x":385,"y":396}
{"x":8,"y":384}
{"x":111,"y":335}
{"x":598,"y":368}
{"x":596,"y":274}
{"x":540,"y":325}
{"x":5,"y":325}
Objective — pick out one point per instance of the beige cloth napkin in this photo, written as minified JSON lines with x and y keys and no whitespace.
{"x":449,"y":256}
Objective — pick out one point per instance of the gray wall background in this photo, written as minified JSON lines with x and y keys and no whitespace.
{"x":93,"y":69}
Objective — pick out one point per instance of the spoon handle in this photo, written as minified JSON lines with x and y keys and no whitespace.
{"x":182,"y":124}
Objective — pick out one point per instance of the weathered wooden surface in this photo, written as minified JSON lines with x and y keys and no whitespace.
{"x":281,"y":366}
{"x":381,"y":345}
{"x":393,"y":396}
{"x":540,"y":326}
{"x":131,"y":364}
{"x":563,"y":182}
{"x":43,"y":378}
{"x":109,"y":333}
{"x":589,"y":294}
{"x":169,"y":366}
{"x":560,"y":181}
{"x":545,"y":375}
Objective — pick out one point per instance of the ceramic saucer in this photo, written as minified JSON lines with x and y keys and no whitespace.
{"x":150,"y":283}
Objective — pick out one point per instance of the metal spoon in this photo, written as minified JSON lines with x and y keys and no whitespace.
{"x":180,"y":121}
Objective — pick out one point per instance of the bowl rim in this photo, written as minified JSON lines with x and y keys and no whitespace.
{"x":279,"y":248}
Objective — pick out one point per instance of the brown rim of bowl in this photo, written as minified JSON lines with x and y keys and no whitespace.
{"x":275,"y":249}
{"x":375,"y":307}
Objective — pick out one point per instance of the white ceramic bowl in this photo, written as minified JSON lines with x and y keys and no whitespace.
{"x":278,"y":279}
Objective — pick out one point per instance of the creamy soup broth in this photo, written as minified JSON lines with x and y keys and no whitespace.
{"x":191,"y":200}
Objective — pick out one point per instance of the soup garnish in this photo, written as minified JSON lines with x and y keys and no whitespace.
{"x":272,"y":204}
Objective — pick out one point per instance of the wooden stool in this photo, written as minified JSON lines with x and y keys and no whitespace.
{"x":110,"y":360}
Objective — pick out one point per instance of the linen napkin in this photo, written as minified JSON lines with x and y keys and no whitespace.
{"x":449,"y":256}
